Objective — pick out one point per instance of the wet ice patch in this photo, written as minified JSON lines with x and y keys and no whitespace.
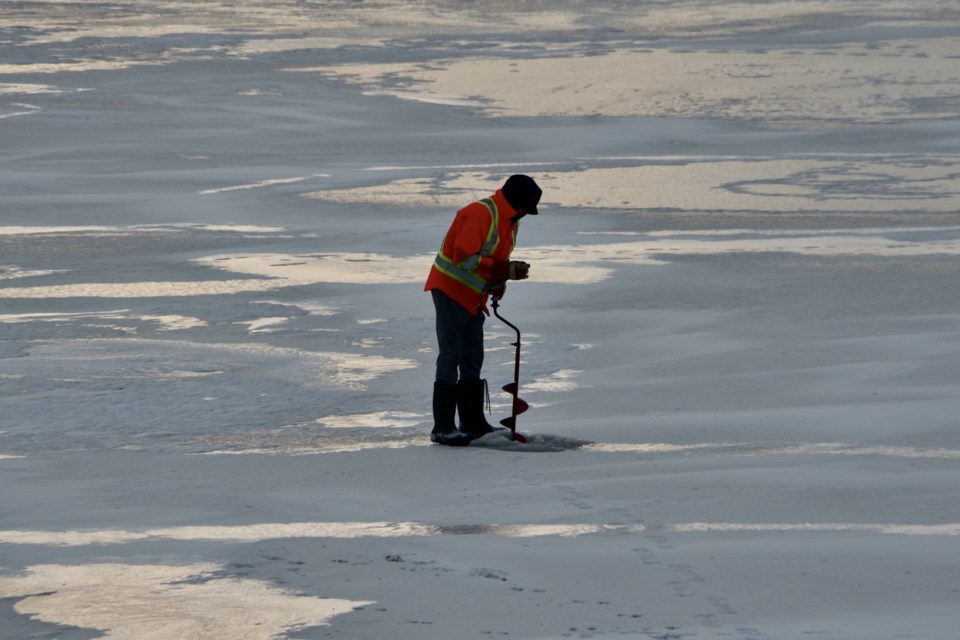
{"x":826,"y":527}
{"x":131,"y":357}
{"x":158,"y":602}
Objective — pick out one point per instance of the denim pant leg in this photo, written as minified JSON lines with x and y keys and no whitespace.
{"x":471,"y":360}
{"x":460,"y":338}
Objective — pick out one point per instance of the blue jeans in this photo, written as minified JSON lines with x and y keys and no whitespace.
{"x":460,"y":337}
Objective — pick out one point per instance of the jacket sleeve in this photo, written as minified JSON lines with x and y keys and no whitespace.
{"x":500,"y":270}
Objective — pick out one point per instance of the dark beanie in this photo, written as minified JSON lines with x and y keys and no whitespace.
{"x":522,"y":192}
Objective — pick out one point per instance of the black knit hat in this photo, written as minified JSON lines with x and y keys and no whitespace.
{"x":522,"y":192}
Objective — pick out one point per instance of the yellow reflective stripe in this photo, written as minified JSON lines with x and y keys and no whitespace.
{"x":468,"y":278}
{"x":493,"y":235}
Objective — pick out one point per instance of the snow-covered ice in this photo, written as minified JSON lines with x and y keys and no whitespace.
{"x":740,"y":336}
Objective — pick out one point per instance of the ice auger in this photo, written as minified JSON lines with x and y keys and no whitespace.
{"x":513,"y":388}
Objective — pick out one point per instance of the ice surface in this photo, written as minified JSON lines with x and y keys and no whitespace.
{"x":740,"y":334}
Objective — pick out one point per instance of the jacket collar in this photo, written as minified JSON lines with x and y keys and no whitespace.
{"x":505,"y":204}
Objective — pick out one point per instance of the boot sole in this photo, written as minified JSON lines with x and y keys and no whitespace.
{"x":453,"y":440}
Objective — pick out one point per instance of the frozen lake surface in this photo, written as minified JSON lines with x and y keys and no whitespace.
{"x":740,"y":336}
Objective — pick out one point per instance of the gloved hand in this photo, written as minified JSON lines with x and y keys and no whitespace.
{"x":498,"y":290}
{"x":510,"y":270}
{"x":519,"y":270}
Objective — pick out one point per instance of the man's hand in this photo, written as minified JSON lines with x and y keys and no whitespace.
{"x":518,"y":270}
{"x":495,"y":288}
{"x":504,"y":270}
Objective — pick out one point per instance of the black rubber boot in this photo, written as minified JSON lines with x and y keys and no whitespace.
{"x":445,"y":416}
{"x":471,"y":398}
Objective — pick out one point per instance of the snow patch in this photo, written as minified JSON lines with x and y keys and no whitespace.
{"x":246,"y":534}
{"x":158,"y":602}
{"x":375,"y":420}
{"x":170,"y":322}
{"x":263,"y":183}
{"x":13,"y":272}
{"x":99,"y":230}
{"x":428,"y":97}
{"x":229,"y":534}
{"x":558,"y":381}
{"x":25,"y":110}
{"x":702,"y":184}
{"x":151,"y":289}
{"x":24,"y":88}
{"x":554,"y":264}
{"x":775,"y":85}
{"x":345,"y":268}
{"x":264,"y":325}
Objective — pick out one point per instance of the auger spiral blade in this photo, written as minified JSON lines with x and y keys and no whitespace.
{"x":513,"y":388}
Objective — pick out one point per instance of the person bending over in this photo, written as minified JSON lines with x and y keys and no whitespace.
{"x":473,"y":263}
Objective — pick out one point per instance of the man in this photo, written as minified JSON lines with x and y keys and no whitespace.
{"x":472,"y":264}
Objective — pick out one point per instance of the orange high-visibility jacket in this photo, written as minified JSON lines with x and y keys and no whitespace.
{"x":481,"y":236}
